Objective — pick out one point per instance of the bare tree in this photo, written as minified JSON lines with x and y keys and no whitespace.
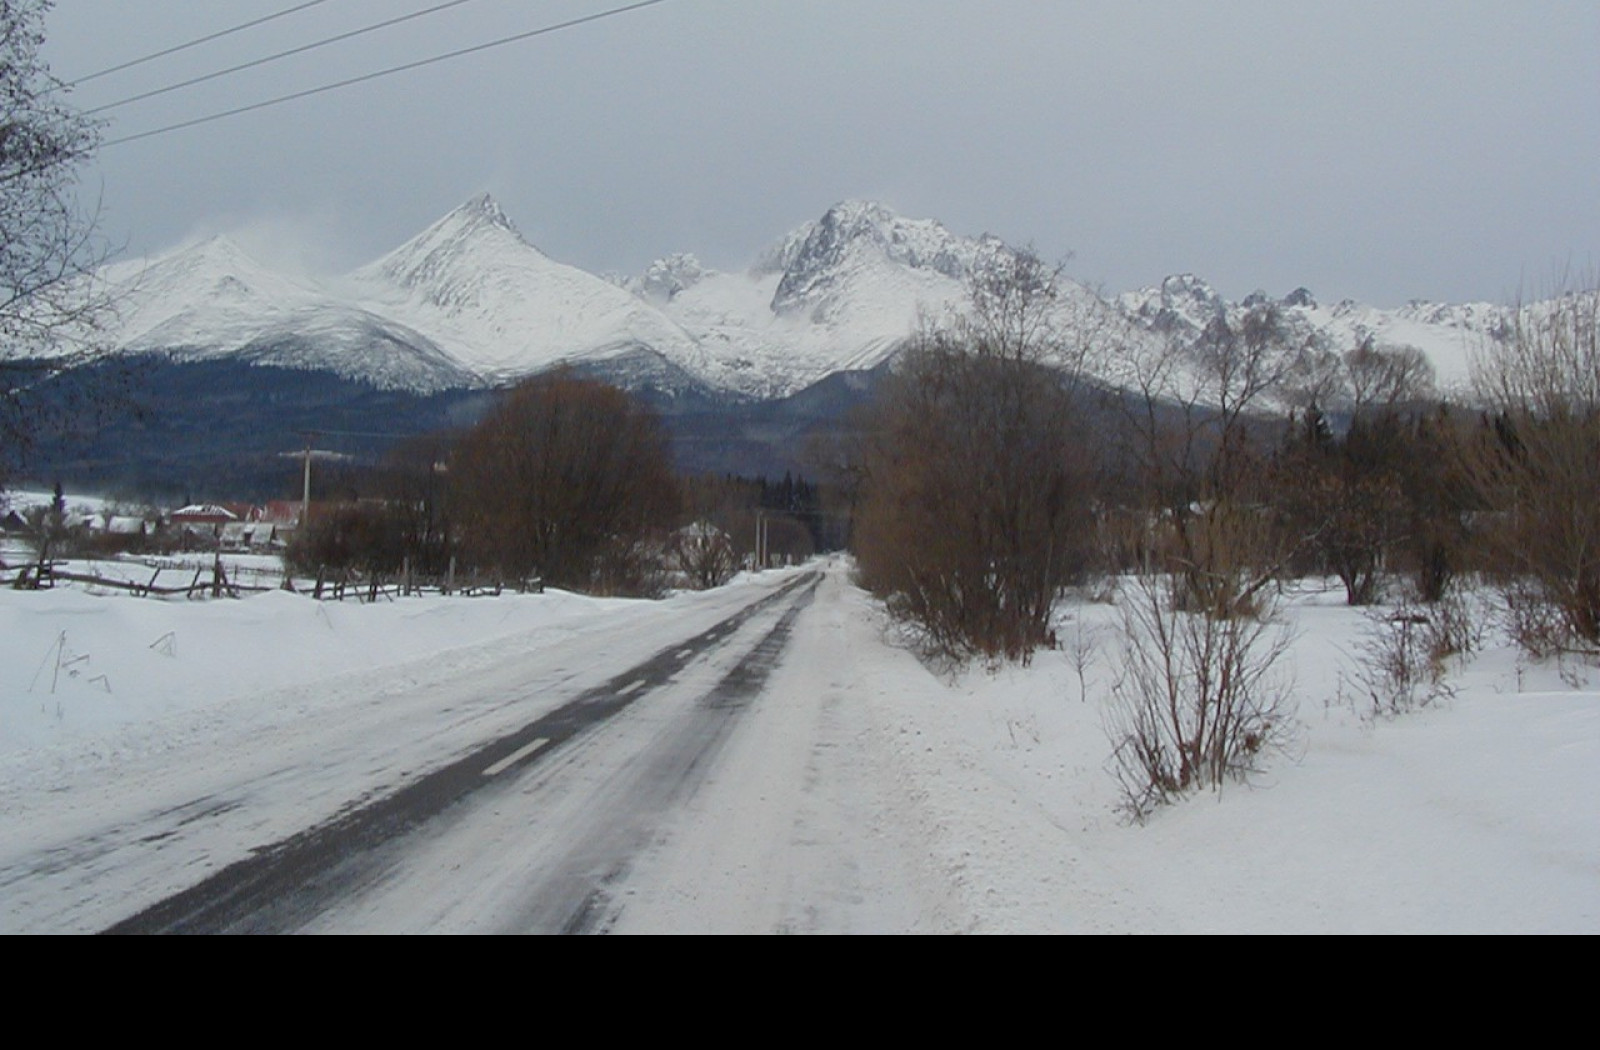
{"x":49,"y":251}
{"x":1548,"y":361}
{"x":1384,"y":378}
{"x":1201,"y":700}
{"x":1534,"y":462}
{"x":976,"y":511}
{"x":567,"y":478}
{"x":1342,"y":498}
{"x":413,"y":481}
{"x":1191,"y":438}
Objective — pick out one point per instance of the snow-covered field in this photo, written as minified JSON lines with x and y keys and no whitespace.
{"x":862,"y":792}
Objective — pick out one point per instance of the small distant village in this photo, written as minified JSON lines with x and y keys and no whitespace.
{"x":238,"y":528}
{"x":234,"y":548}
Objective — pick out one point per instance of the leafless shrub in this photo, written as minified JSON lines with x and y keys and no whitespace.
{"x":1083,"y":647}
{"x":1538,"y":626}
{"x":633,"y":568}
{"x":1458,"y":622}
{"x":1226,"y":555}
{"x":1202,"y":700}
{"x":704,"y":554}
{"x":975,"y":517}
{"x":363,"y":538}
{"x":1401,"y":664}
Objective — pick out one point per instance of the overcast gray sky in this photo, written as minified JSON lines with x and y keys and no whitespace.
{"x":1439,"y":149}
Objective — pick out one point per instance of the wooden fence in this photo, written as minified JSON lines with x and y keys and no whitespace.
{"x":338,"y":584}
{"x":45,"y":575}
{"x":329,"y":584}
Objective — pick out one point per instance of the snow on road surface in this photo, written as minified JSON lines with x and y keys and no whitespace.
{"x":801,"y":771}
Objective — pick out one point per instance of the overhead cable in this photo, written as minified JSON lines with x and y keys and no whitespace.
{"x":195,"y":43}
{"x":302,"y":49}
{"x":502,"y":41}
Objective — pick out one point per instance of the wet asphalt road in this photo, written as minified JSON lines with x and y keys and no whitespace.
{"x":286,"y":885}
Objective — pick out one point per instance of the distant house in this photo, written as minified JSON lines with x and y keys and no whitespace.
{"x":204,"y":514}
{"x":126,"y":526}
{"x":267,"y":537}
{"x":235,"y":535}
{"x":201,"y":524}
{"x":16,"y":539}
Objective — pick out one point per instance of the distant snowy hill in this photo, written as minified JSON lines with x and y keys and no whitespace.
{"x":210,"y":301}
{"x":470,"y":303}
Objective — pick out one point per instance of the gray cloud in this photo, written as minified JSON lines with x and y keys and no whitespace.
{"x":1413,"y":148}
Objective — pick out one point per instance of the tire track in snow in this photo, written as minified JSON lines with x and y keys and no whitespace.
{"x":284,"y":885}
{"x":581,"y":897}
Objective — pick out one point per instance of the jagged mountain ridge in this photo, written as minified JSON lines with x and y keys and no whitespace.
{"x":470,"y":302}
{"x":842,"y":294}
{"x":1183,"y":305}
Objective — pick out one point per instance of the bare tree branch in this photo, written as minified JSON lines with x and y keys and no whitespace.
{"x":51,"y":308}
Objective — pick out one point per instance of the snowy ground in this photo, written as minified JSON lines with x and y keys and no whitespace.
{"x":862,"y":792}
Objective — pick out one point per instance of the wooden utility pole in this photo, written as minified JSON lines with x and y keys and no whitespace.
{"x":305,"y":495}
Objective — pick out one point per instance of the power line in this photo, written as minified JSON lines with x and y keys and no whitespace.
{"x":387,"y":72}
{"x":302,"y":49}
{"x":195,"y":43}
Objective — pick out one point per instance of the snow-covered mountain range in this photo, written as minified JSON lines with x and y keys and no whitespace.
{"x":470,"y":302}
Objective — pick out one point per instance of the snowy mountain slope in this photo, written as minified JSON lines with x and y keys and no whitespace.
{"x":210,"y":292}
{"x":1448,"y":333}
{"x":505,"y":309}
{"x":470,"y":302}
{"x":841,"y":294}
{"x":858,"y":244}
{"x":764,"y":354}
{"x":211,"y":300}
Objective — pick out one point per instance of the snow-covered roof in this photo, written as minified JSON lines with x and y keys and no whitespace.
{"x":204,"y":512}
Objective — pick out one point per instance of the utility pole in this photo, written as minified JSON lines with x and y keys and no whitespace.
{"x":305,"y":495}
